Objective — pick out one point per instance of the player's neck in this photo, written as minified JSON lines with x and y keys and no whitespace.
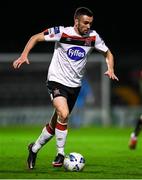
{"x":78,"y":33}
{"x":76,"y":30}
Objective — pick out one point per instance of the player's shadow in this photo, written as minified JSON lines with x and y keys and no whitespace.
{"x":21,"y":171}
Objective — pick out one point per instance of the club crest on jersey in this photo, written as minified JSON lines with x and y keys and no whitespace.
{"x":76,"y":53}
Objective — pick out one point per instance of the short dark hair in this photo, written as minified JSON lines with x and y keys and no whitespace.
{"x":83,"y":11}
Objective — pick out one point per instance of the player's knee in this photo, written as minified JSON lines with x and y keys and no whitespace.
{"x":63,"y":116}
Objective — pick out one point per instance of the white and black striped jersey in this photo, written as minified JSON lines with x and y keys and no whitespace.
{"x":70,"y":54}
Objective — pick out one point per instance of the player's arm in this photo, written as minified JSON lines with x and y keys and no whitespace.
{"x":101,"y":47}
{"x":110,"y":65}
{"x":30,"y":44}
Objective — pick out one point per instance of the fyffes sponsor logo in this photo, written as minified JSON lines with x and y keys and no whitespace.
{"x":76,"y":53}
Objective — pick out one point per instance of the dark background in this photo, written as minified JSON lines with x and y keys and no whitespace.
{"x":118,"y":22}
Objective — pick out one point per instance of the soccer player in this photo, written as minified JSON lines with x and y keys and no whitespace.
{"x":72,"y":46}
{"x":134,"y":135}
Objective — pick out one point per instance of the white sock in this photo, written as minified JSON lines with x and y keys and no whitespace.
{"x":44,"y":137}
{"x":60,"y":140}
{"x":133,"y":135}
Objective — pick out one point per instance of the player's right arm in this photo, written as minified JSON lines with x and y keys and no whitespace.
{"x":30,"y":44}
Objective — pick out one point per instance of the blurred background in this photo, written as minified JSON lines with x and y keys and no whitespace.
{"x":23,"y":94}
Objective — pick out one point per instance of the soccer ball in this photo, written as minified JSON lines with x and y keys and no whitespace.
{"x":74,"y":162}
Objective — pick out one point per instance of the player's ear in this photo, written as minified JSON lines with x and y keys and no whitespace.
{"x":76,"y":21}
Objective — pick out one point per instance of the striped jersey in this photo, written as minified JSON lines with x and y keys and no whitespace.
{"x":70,"y":54}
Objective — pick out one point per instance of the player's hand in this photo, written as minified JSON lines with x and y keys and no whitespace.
{"x":17,"y":63}
{"x":111,"y":75}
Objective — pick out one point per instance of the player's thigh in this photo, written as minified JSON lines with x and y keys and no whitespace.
{"x":61,"y":106}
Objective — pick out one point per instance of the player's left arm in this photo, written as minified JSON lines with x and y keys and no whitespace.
{"x":110,"y":65}
{"x":101,"y":47}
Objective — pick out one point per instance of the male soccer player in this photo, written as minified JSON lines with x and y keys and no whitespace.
{"x":72,"y":46}
{"x":134,"y":135}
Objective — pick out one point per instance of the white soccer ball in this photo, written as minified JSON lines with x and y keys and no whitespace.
{"x":74,"y":162}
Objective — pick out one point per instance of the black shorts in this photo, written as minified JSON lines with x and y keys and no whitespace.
{"x":56,"y":89}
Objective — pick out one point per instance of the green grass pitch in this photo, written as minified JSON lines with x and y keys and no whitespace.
{"x":105,"y":150}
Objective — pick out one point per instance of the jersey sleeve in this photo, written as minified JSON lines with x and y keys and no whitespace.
{"x":100,"y":44}
{"x":53,"y":33}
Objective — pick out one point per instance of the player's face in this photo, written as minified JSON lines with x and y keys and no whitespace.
{"x":83,"y":24}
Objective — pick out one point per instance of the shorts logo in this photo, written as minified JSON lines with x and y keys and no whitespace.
{"x":56,"y":92}
{"x":76,"y":53}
